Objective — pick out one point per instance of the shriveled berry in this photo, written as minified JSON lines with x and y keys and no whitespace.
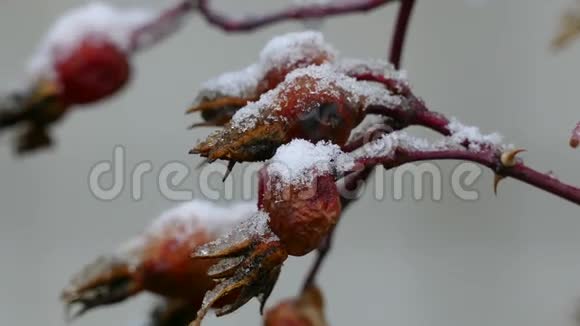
{"x":300,"y":215}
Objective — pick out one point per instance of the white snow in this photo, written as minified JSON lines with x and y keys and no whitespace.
{"x":191,"y":216}
{"x":280,"y":52}
{"x":386,"y":145}
{"x":300,"y":161}
{"x":254,"y":226}
{"x":95,"y":19}
{"x":472,"y":134}
{"x":240,"y":84}
{"x":383,"y":68}
{"x":291,"y":48}
{"x":327,"y":80}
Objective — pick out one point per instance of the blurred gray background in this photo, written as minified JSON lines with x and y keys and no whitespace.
{"x":507,"y":260}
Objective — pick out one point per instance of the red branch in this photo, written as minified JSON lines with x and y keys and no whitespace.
{"x":248,"y":23}
{"x":490,"y":158}
{"x":400,"y":33}
{"x":162,"y":27}
{"x":575,"y":139}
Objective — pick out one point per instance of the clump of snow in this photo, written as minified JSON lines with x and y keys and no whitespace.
{"x":240,"y":84}
{"x":254,"y":226}
{"x":327,"y":80}
{"x":461,"y":134}
{"x":189,"y":217}
{"x":387,"y":145}
{"x":280,"y":52}
{"x":300,"y":161}
{"x":291,"y":48}
{"x":247,"y":117}
{"x":370,"y":123}
{"x":383,"y":68}
{"x":95,"y":19}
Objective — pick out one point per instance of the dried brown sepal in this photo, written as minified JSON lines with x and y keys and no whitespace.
{"x":35,"y":111}
{"x":106,"y":281}
{"x":255,"y":276}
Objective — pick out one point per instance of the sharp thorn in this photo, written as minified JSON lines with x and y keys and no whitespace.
{"x":231,"y":165}
{"x":508,"y":159}
{"x":496,"y":180}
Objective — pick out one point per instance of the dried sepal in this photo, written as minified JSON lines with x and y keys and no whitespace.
{"x":251,"y":257}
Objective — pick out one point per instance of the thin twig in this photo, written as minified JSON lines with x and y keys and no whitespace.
{"x":163,"y":26}
{"x":400,"y":33}
{"x":248,"y":23}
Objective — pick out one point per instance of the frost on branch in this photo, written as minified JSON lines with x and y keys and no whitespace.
{"x":463,"y":138}
{"x":472,"y":136}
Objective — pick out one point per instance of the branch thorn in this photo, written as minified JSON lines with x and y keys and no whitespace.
{"x":509,"y":159}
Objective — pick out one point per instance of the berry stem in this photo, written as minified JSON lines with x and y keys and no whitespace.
{"x":400,"y":33}
{"x":165,"y":25}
